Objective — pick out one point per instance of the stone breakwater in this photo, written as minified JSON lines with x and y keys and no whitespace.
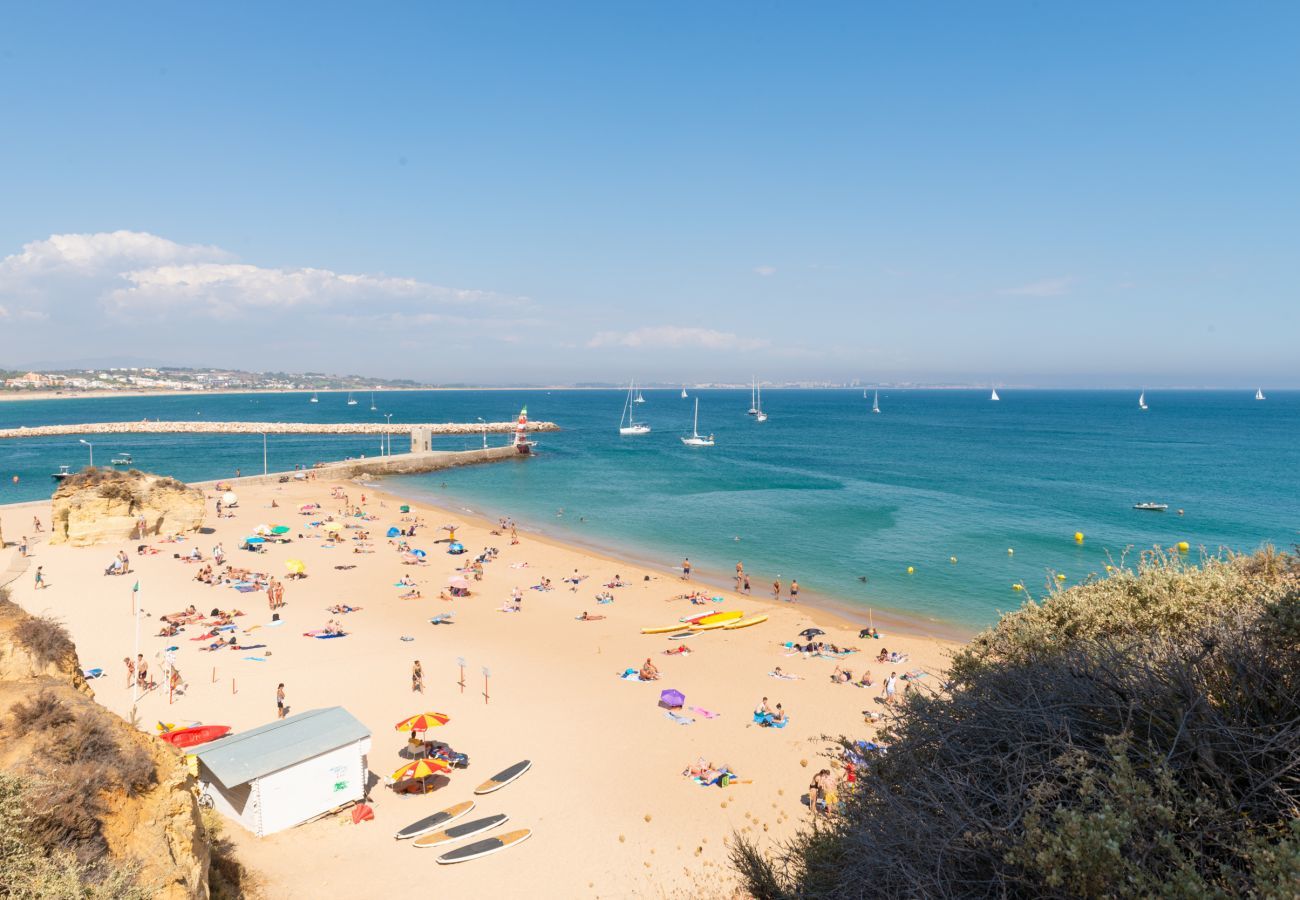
{"x":149,"y":427}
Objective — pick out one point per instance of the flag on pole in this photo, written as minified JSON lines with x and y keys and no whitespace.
{"x":136,"y":588}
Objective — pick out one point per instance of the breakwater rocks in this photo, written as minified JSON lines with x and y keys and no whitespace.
{"x":148,"y":427}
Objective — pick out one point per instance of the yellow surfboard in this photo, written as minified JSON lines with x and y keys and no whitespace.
{"x":745,"y":623}
{"x":710,"y":626}
{"x":729,"y":616}
{"x":664,"y":629}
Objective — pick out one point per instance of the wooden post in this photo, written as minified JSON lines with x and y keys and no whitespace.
{"x":460,"y":661}
{"x":232,"y":686}
{"x":486,"y":674}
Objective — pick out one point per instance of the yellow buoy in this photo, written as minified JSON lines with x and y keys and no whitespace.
{"x":1183,"y":546}
{"x":952,"y":559}
{"x":1078,"y":537}
{"x":1009,"y":550}
{"x":1110,"y":568}
{"x":1017,"y":587}
{"x":1060,"y":577}
{"x":911,"y":569}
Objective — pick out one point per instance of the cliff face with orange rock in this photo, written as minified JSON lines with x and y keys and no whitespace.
{"x":131,"y":806}
{"x":103,"y":505}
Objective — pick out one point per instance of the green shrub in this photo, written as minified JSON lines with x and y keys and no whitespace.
{"x":1137,"y":736}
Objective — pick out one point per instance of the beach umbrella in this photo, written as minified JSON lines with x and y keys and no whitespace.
{"x":254,"y":540}
{"x":229,"y":499}
{"x":262,"y":529}
{"x":810,"y":632}
{"x":307,"y":507}
{"x":404,"y":508}
{"x":280,"y":529}
{"x":421,"y":769}
{"x":394,"y":531}
{"x":423,"y":722}
{"x":419,"y":554}
{"x":455,"y":547}
{"x":457,"y":581}
{"x":296,"y":566}
{"x":672,"y":698}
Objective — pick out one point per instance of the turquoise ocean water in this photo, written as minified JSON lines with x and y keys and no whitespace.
{"x":823,"y":491}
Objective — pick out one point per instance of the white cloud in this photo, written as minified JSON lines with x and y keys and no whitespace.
{"x":1047,"y":287}
{"x":765,"y":271}
{"x":674,"y":337}
{"x":131,"y":273}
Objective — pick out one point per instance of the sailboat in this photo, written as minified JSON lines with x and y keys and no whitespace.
{"x":1142,"y":400}
{"x":759,"y":416}
{"x":864,"y":393}
{"x":695,"y":440}
{"x":683,"y":392}
{"x":626,"y":425}
{"x":351,"y":400}
{"x":995,"y":395}
{"x":875,"y":403}
{"x":1259,"y":393}
{"x":314,"y":398}
{"x":639,"y":398}
{"x":753,"y":400}
{"x":373,"y":408}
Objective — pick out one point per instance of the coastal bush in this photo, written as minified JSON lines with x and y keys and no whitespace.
{"x":41,"y":713}
{"x":1137,"y":736}
{"x":45,"y":638}
{"x":31,"y":868}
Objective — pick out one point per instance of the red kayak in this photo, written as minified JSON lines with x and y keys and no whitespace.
{"x":192,"y":737}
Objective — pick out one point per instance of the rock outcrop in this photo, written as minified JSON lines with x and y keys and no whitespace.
{"x":104,"y":505}
{"x":133,"y":805}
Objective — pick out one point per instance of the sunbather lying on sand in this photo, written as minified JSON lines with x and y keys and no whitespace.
{"x":679,"y":650}
{"x":706,"y":771}
{"x":588,"y":617}
{"x":777,"y":673}
{"x":342,"y":609}
{"x":841,"y":676}
{"x":414,"y":594}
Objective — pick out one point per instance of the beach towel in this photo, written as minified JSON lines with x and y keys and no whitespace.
{"x":275,"y":624}
{"x":631,"y":675}
{"x":680,"y":720}
{"x":247,"y":588}
{"x":784,"y":675}
{"x":704,"y":712}
{"x":92,"y":673}
{"x":405,"y":638}
{"x":255,"y":658}
{"x":326,"y":637}
{"x":441,"y":619}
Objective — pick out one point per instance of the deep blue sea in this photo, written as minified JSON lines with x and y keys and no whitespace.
{"x":823,"y":491}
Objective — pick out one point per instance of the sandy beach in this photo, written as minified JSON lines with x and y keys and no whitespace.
{"x":610,"y":810}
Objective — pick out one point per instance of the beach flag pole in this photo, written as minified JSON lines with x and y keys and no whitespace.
{"x":135,"y":614}
{"x":460,"y":661}
{"x":486,"y":674}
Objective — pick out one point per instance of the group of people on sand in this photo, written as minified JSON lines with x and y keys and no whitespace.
{"x":120,"y":564}
{"x":845,"y":676}
{"x":768,"y":716}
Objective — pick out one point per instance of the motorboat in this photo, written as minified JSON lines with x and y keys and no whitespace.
{"x":123,"y":459}
{"x":64,"y":472}
{"x":1152,"y":507}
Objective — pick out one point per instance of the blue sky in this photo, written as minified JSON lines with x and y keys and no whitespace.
{"x":1075,"y":194}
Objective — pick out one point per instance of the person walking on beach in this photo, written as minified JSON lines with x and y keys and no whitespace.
{"x":22,"y":547}
{"x":130,"y":670}
{"x":36,"y":524}
{"x":891,"y":684}
{"x":142,"y":673}
{"x":686,"y":569}
{"x":417,"y":678}
{"x":794,"y":590}
{"x":40,"y":578}
{"x":776,"y":588}
{"x":280,"y":708}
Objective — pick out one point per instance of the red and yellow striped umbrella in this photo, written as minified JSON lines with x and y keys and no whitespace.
{"x":423,"y":722}
{"x":421,"y":768}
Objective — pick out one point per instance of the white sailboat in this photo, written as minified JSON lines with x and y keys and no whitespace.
{"x":626,"y":424}
{"x":995,"y":395}
{"x":875,"y":403}
{"x":753,"y":401}
{"x":696,"y":440}
{"x":1142,"y":400}
{"x":351,"y":400}
{"x":759,"y":416}
{"x":864,"y":393}
{"x":373,"y":408}
{"x":683,"y":392}
{"x":639,"y":398}
{"x":314,"y":398}
{"x":1259,"y":393}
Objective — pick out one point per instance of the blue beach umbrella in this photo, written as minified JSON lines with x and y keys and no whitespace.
{"x":394,"y":532}
{"x":420,"y":553}
{"x":254,"y":540}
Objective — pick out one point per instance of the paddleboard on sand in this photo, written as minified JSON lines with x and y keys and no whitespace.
{"x":485,"y":847}
{"x":437,"y":820}
{"x":682,"y":635}
{"x":501,"y":779}
{"x":745,"y":623}
{"x":663,"y":629}
{"x":719,"y":618}
{"x":456,"y":832}
{"x":708,"y":626}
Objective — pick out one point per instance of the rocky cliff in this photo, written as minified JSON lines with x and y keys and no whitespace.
{"x":104,"y":505}
{"x":93,"y":785}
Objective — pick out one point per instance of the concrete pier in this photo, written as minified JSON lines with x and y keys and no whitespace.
{"x":150,"y":427}
{"x":398,"y":464}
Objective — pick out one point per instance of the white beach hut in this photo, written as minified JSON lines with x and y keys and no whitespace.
{"x":285,"y":773}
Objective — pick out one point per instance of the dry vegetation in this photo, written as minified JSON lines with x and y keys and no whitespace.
{"x":1138,"y":736}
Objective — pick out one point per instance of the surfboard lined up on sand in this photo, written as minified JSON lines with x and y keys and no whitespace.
{"x":456,"y":832}
{"x":437,"y":820}
{"x":485,"y":847}
{"x":504,"y":777}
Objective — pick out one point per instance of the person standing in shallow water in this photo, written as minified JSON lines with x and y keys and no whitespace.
{"x":794,"y":589}
{"x":686,"y":569}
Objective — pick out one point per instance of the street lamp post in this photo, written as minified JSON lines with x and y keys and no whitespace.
{"x":92,"y":451}
{"x":263,"y":452}
{"x":480,"y":418}
{"x":388,"y":431}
